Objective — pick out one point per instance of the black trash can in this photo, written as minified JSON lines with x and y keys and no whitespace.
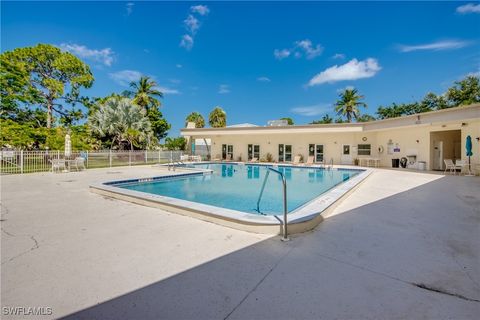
{"x":395,"y":163}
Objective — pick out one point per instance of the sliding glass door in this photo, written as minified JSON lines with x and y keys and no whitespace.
{"x":284,"y":152}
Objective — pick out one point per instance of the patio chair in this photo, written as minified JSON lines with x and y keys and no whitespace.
{"x":449,"y":165}
{"x":80,"y":163}
{"x":253,"y":160}
{"x":310,"y":161}
{"x":58,"y":165}
{"x":296,"y":160}
{"x":462,"y":165}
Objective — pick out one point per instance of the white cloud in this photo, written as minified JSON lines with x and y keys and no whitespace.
{"x":435,"y":46}
{"x":200,"y":9}
{"x":300,"y":48}
{"x":309,"y":111}
{"x":224,"y":88}
{"x":281,"y":54}
{"x":338,"y":56}
{"x":469,"y":8}
{"x":351,"y":70}
{"x":104,"y":56}
{"x":191,"y":24}
{"x":263,"y":79}
{"x":124,"y":77}
{"x":186,"y":42}
{"x":310,"y":50}
{"x":178,"y":65}
{"x":174,"y":81}
{"x":129,"y":7}
{"x":166,"y":90}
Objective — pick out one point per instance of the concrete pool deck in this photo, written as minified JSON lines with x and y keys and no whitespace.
{"x":404,"y":245}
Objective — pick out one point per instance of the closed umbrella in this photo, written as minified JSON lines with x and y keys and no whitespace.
{"x":468,"y":147}
{"x":68,"y":146}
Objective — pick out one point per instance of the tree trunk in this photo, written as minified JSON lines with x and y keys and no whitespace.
{"x":49,"y":113}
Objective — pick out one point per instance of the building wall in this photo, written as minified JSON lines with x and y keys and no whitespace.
{"x":410,"y":140}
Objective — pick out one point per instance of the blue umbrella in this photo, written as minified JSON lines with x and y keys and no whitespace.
{"x":468,"y":147}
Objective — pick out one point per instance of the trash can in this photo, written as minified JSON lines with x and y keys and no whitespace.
{"x":422,"y":165}
{"x":395,"y":163}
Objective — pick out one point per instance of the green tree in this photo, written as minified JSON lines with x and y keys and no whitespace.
{"x":326,"y":119}
{"x":464,"y":92}
{"x":393,"y":111}
{"x":145,"y":94}
{"x":217,"y":118}
{"x":347,"y":105}
{"x":366,"y":118}
{"x":433,"y":102}
{"x":175,"y":143}
{"x":42,"y":75}
{"x":289,"y":121}
{"x":197,"y":118}
{"x":122,"y":120}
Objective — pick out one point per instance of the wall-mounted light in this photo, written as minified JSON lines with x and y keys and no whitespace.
{"x":418,"y":141}
{"x":478,"y":138}
{"x":464,"y":124}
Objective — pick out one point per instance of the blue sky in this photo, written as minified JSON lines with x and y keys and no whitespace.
{"x":259,"y":60}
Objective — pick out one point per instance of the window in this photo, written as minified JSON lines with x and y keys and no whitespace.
{"x":284,"y":152}
{"x":319,"y":153}
{"x":253,"y":151}
{"x":364,"y":149}
{"x":346,"y":149}
{"x":227,"y":152}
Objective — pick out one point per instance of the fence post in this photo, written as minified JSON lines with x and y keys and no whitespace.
{"x":159,"y":156}
{"x":110,"y":157}
{"x":21,"y":161}
{"x":146,"y":156}
{"x":87,"y":158}
{"x":58,"y":154}
{"x":129,"y":157}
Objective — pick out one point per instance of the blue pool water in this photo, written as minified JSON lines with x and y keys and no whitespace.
{"x":237,"y":187}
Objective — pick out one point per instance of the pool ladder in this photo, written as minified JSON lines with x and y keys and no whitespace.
{"x":285,"y":210}
{"x":172,"y":164}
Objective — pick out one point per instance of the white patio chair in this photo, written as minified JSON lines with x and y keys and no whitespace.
{"x":462,"y":165}
{"x":80,"y":163}
{"x":449,"y":165}
{"x":58,"y":165}
{"x":296,"y":160}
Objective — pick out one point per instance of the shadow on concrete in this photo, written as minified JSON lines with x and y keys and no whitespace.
{"x":411,"y":255}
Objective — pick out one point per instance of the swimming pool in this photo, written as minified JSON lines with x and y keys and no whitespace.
{"x":227,"y":193}
{"x":237,"y":187}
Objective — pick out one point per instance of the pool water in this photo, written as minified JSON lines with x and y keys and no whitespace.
{"x":237,"y":187}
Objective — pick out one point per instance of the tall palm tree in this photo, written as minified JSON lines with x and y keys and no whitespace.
{"x":197,"y":118}
{"x":217,"y":118}
{"x":121,"y":119}
{"x":144,"y":93}
{"x":348,"y":104}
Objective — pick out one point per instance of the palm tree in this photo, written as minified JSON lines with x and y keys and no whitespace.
{"x":199,"y":121}
{"x":123,"y":120}
{"x":144,"y":93}
{"x":348,"y":104}
{"x":217,"y":118}
{"x":197,"y":118}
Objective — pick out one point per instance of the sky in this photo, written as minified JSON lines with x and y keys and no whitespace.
{"x":259,"y":60}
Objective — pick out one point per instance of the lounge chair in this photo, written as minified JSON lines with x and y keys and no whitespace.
{"x":253,"y":160}
{"x":449,"y":165}
{"x":310,"y":161}
{"x":217,"y":158}
{"x":296,"y":160}
{"x":461,"y":164}
{"x":58,"y":165}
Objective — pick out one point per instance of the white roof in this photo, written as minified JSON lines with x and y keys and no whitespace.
{"x":242,"y":125}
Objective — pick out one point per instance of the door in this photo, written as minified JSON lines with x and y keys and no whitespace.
{"x":253,"y":151}
{"x":284,"y":152}
{"x":319,"y":153}
{"x":438,"y":155}
{"x":224,"y":151}
{"x":346,"y":154}
{"x":230,"y":152}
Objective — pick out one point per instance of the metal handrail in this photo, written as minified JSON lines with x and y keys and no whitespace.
{"x":285,"y":210}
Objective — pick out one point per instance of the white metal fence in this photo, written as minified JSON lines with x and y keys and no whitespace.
{"x":19,"y":161}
